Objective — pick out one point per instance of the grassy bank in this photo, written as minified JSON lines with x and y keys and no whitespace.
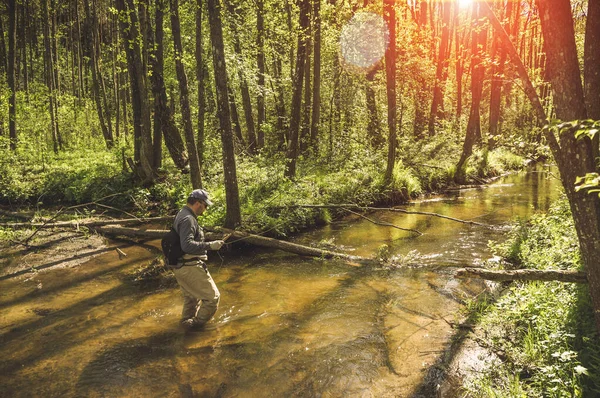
{"x":542,"y":333}
{"x":85,"y":176}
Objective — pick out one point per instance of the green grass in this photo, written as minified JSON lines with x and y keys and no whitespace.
{"x":266,"y":197}
{"x":545,"y":330}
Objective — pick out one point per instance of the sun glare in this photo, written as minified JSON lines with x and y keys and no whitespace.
{"x":464,"y":3}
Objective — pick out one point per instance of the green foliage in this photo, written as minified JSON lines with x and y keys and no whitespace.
{"x":545,"y":330}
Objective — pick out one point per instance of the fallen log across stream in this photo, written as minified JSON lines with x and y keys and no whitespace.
{"x":523,"y":275}
{"x":236,"y":236}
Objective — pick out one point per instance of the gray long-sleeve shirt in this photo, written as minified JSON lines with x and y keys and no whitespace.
{"x":191,"y":235}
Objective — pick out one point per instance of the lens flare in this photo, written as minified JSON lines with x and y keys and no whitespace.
{"x":364,"y":40}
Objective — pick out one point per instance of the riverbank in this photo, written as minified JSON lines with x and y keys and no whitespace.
{"x":83,"y":185}
{"x":531,"y":339}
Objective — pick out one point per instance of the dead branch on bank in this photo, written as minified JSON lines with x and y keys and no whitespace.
{"x":385,"y":224}
{"x":391,"y":209}
{"x":89,"y":222}
{"x":523,"y":275}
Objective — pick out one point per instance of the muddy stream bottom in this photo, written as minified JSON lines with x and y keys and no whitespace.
{"x":286,"y":325}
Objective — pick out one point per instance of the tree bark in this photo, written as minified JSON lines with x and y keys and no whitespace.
{"x":574,"y":157}
{"x":200,"y":76}
{"x":12,"y":78}
{"x":473,"y":133}
{"x":591,"y":72}
{"x":103,"y":112}
{"x":163,"y":117}
{"x":260,"y":62}
{"x":389,"y":14}
{"x":305,"y":131}
{"x":184,"y":100}
{"x":246,"y":101}
{"x":139,"y":98}
{"x":295,"y":112}
{"x":517,"y":63}
{"x":3,"y":57}
{"x":235,"y":117}
{"x":48,"y":66}
{"x":280,"y":101}
{"x":316,"y":101}
{"x":373,"y":128}
{"x":523,"y":275}
{"x":233,"y":215}
{"x":441,"y":72}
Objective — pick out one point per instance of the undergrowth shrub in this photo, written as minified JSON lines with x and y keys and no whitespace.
{"x":546,"y":330}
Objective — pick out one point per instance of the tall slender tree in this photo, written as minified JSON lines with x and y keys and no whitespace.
{"x":12,"y":78}
{"x":473,"y":133}
{"x":316,"y":100}
{"x":200,"y":74}
{"x":260,"y":62}
{"x":233,"y":216}
{"x":99,"y":93}
{"x":130,"y":32}
{"x":163,"y":116}
{"x":186,"y":115}
{"x":50,"y":82}
{"x":441,"y":73}
{"x":246,"y":101}
{"x":389,"y":13}
{"x":295,"y":112}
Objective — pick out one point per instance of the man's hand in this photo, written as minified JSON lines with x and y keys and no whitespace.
{"x":216,"y":244}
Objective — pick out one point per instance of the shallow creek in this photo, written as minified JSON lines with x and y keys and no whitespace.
{"x":286,"y":326}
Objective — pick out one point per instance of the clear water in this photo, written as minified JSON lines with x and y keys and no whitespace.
{"x":287,"y":325}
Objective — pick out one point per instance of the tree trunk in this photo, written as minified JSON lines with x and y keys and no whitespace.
{"x":459,"y":50}
{"x":233,"y":215}
{"x":517,"y":63}
{"x":295,"y":112}
{"x":441,"y":72}
{"x":48,"y":66}
{"x":280,"y":101}
{"x":496,"y":86}
{"x":373,"y":128}
{"x":195,"y":172}
{"x":316,"y":101}
{"x":12,"y":78}
{"x":473,"y":133}
{"x":3,"y":58}
{"x":103,"y":112}
{"x":305,"y":131}
{"x":22,"y":43}
{"x":523,"y":275}
{"x":389,"y":14}
{"x":246,"y":101}
{"x":200,"y":75}
{"x":574,"y":157}
{"x":260,"y":62}
{"x":591,"y":72}
{"x":163,"y":117}
{"x":139,"y":99}
{"x":235,"y":117}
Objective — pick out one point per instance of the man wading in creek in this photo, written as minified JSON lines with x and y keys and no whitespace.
{"x":200,"y":294}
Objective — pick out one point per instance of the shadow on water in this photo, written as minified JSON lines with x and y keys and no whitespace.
{"x":114,"y":368}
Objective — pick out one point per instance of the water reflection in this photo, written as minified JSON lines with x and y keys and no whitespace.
{"x":287,"y":325}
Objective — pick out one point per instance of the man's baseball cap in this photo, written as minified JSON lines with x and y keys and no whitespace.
{"x":202,"y":195}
